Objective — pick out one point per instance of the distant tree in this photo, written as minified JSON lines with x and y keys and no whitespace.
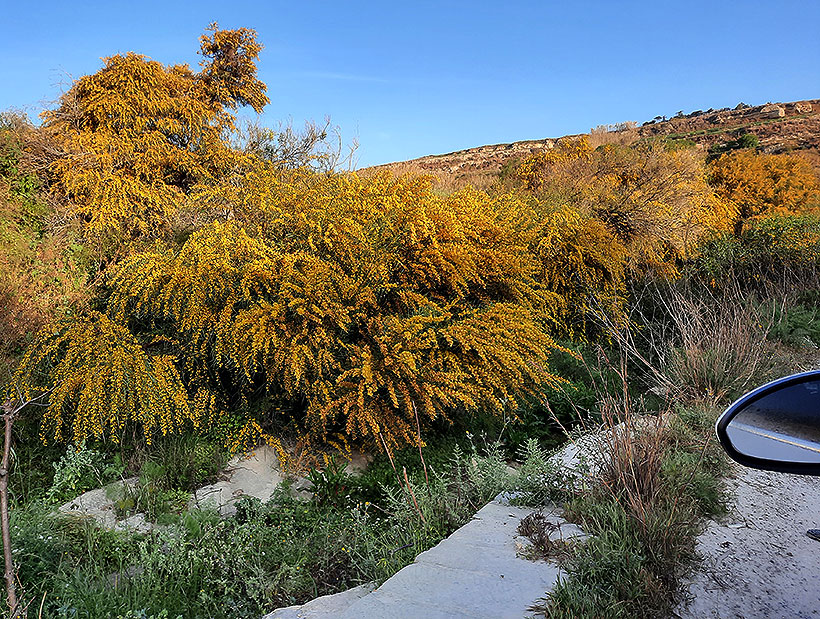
{"x":317,"y":146}
{"x":754,"y":184}
{"x":748,"y":140}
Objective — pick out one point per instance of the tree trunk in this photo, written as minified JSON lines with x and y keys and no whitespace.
{"x":9,"y":573}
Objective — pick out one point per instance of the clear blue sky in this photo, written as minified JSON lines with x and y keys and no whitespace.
{"x":417,"y":78}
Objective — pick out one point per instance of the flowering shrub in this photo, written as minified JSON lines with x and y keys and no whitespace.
{"x":367,"y":307}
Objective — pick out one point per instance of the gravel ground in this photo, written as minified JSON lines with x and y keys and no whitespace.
{"x":758,"y":562}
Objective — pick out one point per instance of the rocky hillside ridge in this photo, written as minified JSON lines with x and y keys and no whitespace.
{"x":779,"y":127}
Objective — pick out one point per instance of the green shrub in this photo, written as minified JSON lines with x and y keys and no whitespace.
{"x":679,"y":144}
{"x":558,"y":410}
{"x":781,"y":252}
{"x":607,"y":575}
{"x":540,"y":480}
{"x":683,"y":471}
{"x":796,"y":325}
{"x":331,"y":485}
{"x":79,"y":470}
{"x":642,"y":510}
{"x":747,"y":140}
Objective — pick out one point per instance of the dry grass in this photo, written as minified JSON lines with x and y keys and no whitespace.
{"x":642,"y":514}
{"x":655,"y":475}
{"x":445,"y":181}
{"x":545,"y":537}
{"x":622,"y":134}
{"x":722,"y":349}
{"x":696,"y":343}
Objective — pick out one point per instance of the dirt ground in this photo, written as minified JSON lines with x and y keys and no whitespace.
{"x":758,"y":562}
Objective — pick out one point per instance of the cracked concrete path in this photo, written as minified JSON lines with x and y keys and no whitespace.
{"x":477,"y":572}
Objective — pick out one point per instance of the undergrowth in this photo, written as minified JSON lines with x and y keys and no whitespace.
{"x":642,"y":510}
{"x":272,"y":554}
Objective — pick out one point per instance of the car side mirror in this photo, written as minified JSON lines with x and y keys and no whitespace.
{"x":776,"y":427}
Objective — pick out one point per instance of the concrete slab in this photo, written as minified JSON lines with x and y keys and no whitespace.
{"x":477,"y":572}
{"x":391,"y":607}
{"x":325,"y":606}
{"x":493,"y":525}
{"x":459,"y":592}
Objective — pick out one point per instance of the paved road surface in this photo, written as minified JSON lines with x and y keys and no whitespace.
{"x":759,"y":562}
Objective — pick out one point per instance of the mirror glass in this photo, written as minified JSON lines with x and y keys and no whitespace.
{"x":782,"y":425}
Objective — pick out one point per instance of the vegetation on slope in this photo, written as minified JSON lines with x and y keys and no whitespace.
{"x":168,"y":282}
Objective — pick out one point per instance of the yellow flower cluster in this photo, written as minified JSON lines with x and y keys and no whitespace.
{"x":755,"y":185}
{"x":102,"y":380}
{"x":378,"y":302}
{"x":656,"y":201}
{"x":136,"y":136}
{"x":536,"y":169}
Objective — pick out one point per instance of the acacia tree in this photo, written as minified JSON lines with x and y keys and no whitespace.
{"x":137,"y":136}
{"x":366,"y":308}
{"x":755,"y":184}
{"x":372,"y":299}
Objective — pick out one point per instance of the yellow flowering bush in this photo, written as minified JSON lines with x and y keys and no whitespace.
{"x":98,"y":370}
{"x":583,"y":263}
{"x":136,"y":136}
{"x":758,"y":185}
{"x":365,"y":307}
{"x":653,"y":200}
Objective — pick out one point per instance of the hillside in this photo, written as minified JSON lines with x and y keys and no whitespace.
{"x":779,"y":127}
{"x":177,"y":292}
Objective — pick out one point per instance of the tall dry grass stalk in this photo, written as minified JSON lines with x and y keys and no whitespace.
{"x":698,"y":343}
{"x":628,"y":498}
{"x":721,"y":345}
{"x":632,"y":442}
{"x":633,"y":450}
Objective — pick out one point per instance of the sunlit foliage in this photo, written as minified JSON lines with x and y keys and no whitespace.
{"x":781,"y":252}
{"x":373,"y":299}
{"x":248,"y":286}
{"x":583,"y":263}
{"x":136,"y":136}
{"x":101,"y":380}
{"x":545,"y":167}
{"x":755,"y":184}
{"x":367,"y":307}
{"x":607,"y":214}
{"x":654,"y":200}
{"x":39,"y":273}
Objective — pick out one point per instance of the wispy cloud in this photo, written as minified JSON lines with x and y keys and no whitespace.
{"x":344,"y":77}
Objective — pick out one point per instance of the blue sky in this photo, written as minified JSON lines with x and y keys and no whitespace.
{"x":411,"y":79}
